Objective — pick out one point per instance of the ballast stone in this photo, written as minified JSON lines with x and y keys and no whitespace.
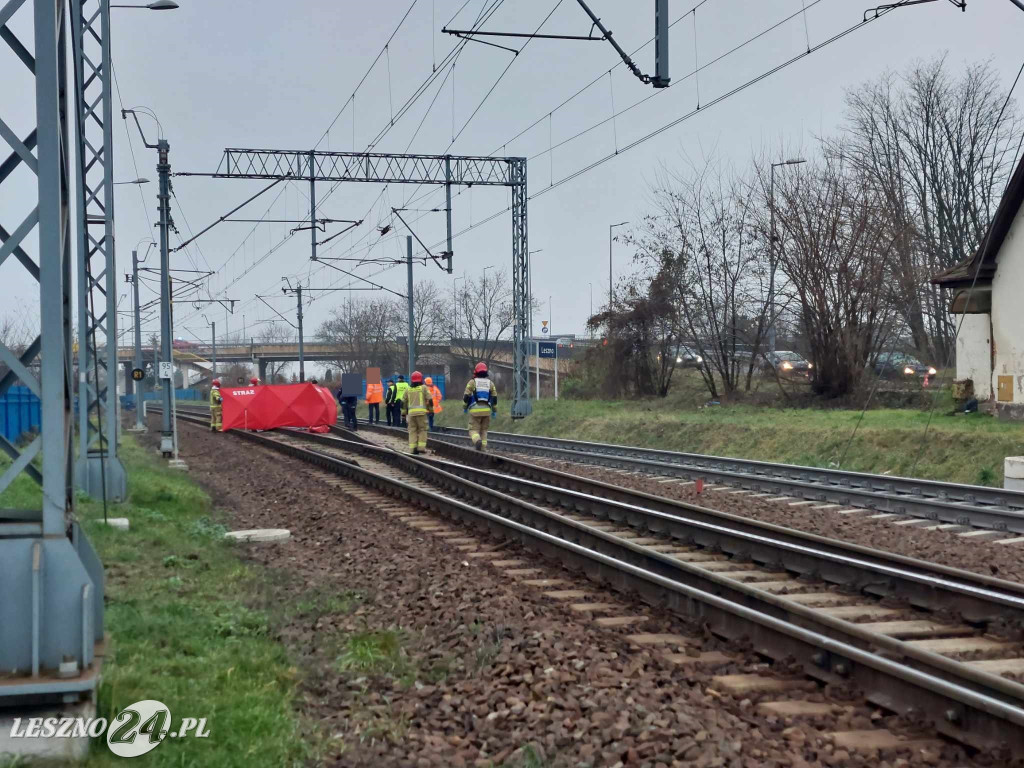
{"x":260,"y":535}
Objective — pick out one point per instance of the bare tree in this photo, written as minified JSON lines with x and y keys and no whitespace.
{"x":364,"y":333}
{"x":939,"y":149}
{"x":709,"y":265}
{"x":15,"y":335}
{"x":430,"y":313}
{"x":275,"y":333}
{"x":485,"y":315}
{"x":839,"y":238}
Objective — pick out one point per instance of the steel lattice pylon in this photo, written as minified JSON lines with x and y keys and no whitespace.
{"x":51,"y":604}
{"x":97,"y":461}
{"x":384,"y":168}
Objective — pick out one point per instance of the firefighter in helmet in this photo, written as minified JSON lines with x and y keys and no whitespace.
{"x":481,"y":401}
{"x":215,"y":406}
{"x":416,"y":405}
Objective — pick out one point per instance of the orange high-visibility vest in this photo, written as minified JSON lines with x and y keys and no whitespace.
{"x":435,"y":392}
{"x":374,"y":392}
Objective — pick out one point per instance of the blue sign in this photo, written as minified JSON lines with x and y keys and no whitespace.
{"x":547,"y":348}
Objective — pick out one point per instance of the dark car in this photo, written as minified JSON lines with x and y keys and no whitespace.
{"x":897,"y":365}
{"x":788,"y":363}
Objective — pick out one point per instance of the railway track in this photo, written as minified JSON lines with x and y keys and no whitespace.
{"x":934,"y":643}
{"x":954,"y":504}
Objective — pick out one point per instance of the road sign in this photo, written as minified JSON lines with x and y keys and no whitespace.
{"x":547,"y":348}
{"x":138,"y":374}
{"x":165,"y":371}
{"x":544,"y":327}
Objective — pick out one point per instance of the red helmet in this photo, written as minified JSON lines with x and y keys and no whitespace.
{"x":416,"y":378}
{"x":254,"y":381}
{"x":216,"y":382}
{"x":480,"y":368}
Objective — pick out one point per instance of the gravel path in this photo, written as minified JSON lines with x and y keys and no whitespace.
{"x":485,"y":667}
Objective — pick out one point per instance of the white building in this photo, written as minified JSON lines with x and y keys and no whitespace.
{"x":990,"y":347}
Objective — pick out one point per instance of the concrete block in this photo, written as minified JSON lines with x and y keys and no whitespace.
{"x":260,"y":535}
{"x":120,"y":523}
{"x":619,"y":621}
{"x":1013,"y":473}
{"x":41,"y":748}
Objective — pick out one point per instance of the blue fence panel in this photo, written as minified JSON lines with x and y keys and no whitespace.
{"x":19,"y":413}
{"x":128,"y":401}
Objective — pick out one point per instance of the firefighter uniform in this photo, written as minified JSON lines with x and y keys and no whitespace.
{"x":374,"y":394}
{"x":401,"y":388}
{"x":481,"y":399}
{"x":416,"y":406}
{"x":216,"y":409}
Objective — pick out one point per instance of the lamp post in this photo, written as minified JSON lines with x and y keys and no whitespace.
{"x":610,"y":283}
{"x":772,"y":237}
{"x":133,"y":181}
{"x":591,"y":300}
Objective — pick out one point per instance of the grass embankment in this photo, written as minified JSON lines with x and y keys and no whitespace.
{"x":963,"y":448}
{"x":182,"y":630}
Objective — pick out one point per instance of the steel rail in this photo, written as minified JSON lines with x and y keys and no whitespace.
{"x":775,"y":627}
{"x":955,"y":503}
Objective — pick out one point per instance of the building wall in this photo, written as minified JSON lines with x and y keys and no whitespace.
{"x":1008,"y":312}
{"x":974,"y":352}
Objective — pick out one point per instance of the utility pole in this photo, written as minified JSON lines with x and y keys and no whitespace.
{"x":302,"y":351}
{"x":412,"y":338}
{"x":166,"y":371}
{"x":213,"y":338}
{"x":140,"y":426}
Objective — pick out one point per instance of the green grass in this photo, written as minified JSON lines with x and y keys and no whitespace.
{"x":183,"y":627}
{"x":963,"y":448}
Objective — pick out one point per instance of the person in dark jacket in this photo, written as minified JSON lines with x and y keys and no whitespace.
{"x":390,"y":400}
{"x":348,"y":409}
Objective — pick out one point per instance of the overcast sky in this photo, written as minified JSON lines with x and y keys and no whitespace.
{"x":267,"y":74}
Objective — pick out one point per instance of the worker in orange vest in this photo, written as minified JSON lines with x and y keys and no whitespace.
{"x":435,"y":392}
{"x":374,"y":396}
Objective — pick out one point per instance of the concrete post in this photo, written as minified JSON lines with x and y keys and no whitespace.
{"x":140,"y":425}
{"x":1013,"y":473}
{"x":412,"y":337}
{"x":166,"y":342}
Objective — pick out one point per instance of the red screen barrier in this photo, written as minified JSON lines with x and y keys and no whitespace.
{"x":271,"y":406}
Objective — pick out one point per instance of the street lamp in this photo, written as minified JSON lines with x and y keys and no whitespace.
{"x":772,"y":237}
{"x":610,"y":284}
{"x":157,"y":5}
{"x":133,"y":181}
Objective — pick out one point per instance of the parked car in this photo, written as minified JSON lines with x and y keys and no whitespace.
{"x":788,"y":363}
{"x":897,"y":365}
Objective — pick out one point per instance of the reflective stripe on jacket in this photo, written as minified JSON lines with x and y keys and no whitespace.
{"x":417,"y":401}
{"x":374,"y":392}
{"x":435,"y":393}
{"x":392,"y":393}
{"x":481,"y":394}
{"x":215,"y":398}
